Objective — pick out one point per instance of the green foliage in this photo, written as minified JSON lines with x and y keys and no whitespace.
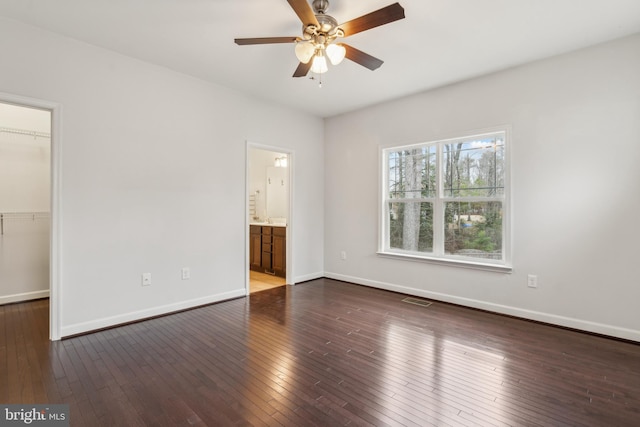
{"x":483,"y":232}
{"x":482,"y":242}
{"x":396,"y":226}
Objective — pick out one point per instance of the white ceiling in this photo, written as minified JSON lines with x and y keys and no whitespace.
{"x":439,"y":42}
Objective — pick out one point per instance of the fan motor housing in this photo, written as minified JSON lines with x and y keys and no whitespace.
{"x":328,"y":24}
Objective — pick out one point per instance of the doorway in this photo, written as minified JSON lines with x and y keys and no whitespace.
{"x":29,"y":222}
{"x":268,"y":218}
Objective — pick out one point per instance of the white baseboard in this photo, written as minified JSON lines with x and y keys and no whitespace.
{"x":308,"y":277}
{"x":106,"y":322}
{"x":27,"y":296}
{"x":568,"y":322}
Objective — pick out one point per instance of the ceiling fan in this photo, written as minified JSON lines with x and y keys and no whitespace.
{"x":320,"y":33}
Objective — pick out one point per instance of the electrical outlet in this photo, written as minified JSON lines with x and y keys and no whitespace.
{"x":343,"y":255}
{"x":186,"y":273}
{"x":532,"y":281}
{"x":146,"y":279}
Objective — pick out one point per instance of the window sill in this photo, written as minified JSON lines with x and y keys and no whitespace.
{"x":448,"y":262}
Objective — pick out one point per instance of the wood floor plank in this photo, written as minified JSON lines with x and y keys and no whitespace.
{"x":261,"y":281}
{"x":209,"y":363}
{"x":317,"y":354}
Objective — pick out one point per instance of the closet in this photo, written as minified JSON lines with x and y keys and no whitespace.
{"x":25,"y":152}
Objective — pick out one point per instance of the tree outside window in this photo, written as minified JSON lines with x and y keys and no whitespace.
{"x":447,"y":199}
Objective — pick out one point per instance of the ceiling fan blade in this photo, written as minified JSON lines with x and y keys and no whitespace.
{"x":266,"y":40}
{"x":364,"y":59}
{"x":382,"y":16}
{"x":304,"y":12}
{"x":303,"y":69}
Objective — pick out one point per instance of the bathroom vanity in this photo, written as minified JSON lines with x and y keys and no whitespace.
{"x":268,"y":248}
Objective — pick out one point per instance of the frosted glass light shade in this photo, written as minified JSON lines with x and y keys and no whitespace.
{"x":319,"y":65}
{"x":304,"y":52}
{"x":336,"y":53}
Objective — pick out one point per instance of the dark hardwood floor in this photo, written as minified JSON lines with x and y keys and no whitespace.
{"x":322,"y":353}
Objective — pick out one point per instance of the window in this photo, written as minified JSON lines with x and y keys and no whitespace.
{"x":447,"y":200}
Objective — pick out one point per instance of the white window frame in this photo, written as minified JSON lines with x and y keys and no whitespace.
{"x":438,"y":255}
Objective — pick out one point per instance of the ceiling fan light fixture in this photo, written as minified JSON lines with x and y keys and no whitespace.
{"x":320,"y":32}
{"x":319,"y":64}
{"x":336,"y":53}
{"x":304,"y":51}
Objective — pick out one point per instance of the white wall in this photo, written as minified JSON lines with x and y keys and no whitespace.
{"x":143,"y":187}
{"x":575,"y":181}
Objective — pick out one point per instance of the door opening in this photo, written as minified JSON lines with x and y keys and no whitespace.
{"x":269,"y":218}
{"x":25,"y":200}
{"x":29,"y":222}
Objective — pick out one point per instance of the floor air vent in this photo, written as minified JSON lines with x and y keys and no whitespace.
{"x":417,"y":301}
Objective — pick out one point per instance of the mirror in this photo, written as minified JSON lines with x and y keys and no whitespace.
{"x":268,"y":186}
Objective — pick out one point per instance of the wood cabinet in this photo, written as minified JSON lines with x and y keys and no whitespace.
{"x":268,"y":249}
{"x":279,"y":251}
{"x":255,"y":247}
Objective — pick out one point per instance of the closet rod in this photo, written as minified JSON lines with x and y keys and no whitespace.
{"x":32,"y":133}
{"x":8,"y":216}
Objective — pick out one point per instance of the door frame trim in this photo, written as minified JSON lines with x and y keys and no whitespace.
{"x":290,"y":219}
{"x":55,"y":233}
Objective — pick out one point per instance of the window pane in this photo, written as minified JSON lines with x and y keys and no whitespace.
{"x":474,"y":167}
{"x":474,"y":229}
{"x":411,"y":226}
{"x":412,"y":173}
